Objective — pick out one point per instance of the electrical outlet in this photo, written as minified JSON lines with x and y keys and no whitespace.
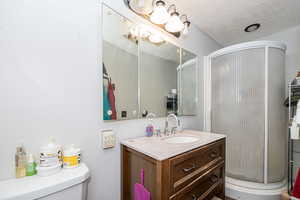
{"x":108,"y":139}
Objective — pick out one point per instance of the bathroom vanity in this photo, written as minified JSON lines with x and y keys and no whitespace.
{"x":186,"y":166}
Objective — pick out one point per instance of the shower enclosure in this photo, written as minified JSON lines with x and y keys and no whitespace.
{"x":245,"y":90}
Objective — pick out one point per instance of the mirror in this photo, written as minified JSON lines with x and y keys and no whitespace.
{"x":120,"y":68}
{"x":143,"y":75}
{"x":189,"y":83}
{"x":159,"y":84}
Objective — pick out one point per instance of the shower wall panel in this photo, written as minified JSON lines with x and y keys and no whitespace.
{"x":238,"y":104}
{"x":277,"y":134}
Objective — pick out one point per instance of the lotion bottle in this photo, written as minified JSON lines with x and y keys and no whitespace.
{"x":20,"y":162}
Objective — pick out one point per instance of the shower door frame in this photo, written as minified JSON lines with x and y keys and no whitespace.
{"x":207,"y":87}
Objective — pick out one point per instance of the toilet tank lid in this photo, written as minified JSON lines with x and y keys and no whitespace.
{"x":34,"y":187}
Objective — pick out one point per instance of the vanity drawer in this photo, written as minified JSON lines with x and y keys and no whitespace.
{"x":188,"y":166}
{"x":204,"y":187}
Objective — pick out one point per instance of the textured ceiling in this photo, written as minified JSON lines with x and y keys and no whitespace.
{"x":225,"y":20}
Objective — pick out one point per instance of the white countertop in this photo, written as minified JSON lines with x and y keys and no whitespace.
{"x":159,"y":149}
{"x":34,"y":187}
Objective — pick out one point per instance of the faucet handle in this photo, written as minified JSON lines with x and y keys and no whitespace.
{"x":166,"y":128}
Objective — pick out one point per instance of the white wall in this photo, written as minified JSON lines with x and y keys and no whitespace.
{"x":291,"y":37}
{"x":50,"y":84}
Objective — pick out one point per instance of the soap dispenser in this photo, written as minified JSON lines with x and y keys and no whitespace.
{"x":150,"y":126}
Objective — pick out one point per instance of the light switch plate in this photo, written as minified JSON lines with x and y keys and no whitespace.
{"x":108,"y":139}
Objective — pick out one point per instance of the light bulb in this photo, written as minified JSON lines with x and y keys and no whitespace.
{"x":174,"y":24}
{"x":160,"y":14}
{"x":185,"y":29}
{"x":134,"y":31}
{"x":155,"y":38}
{"x":144,"y":31}
{"x":140,"y":31}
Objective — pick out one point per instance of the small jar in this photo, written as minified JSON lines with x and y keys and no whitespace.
{"x":50,"y":154}
{"x":71,"y":157}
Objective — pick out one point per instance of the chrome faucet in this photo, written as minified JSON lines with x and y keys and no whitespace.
{"x":174,"y":128}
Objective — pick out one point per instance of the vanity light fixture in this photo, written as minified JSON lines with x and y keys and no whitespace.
{"x":144,"y":7}
{"x":165,"y":17}
{"x":140,"y":31}
{"x":160,"y":14}
{"x":174,"y":24}
{"x":134,"y":31}
{"x":146,"y":33}
{"x":186,"y":23}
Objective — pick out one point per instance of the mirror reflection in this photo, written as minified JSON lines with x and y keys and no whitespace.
{"x":159,"y":85}
{"x":143,"y":73}
{"x":188,"y":83}
{"x":120,"y":68}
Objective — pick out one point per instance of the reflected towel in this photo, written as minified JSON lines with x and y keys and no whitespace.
{"x":112,"y":101}
{"x":106,"y":105}
{"x":296,"y":190}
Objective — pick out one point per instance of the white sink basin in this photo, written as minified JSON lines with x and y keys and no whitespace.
{"x":181,"y":139}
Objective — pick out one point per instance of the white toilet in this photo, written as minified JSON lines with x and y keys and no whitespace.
{"x":67,"y":184}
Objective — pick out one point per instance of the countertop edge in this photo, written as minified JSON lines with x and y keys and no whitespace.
{"x":188,"y":148}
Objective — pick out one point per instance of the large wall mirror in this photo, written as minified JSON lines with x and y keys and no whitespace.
{"x":142,"y":75}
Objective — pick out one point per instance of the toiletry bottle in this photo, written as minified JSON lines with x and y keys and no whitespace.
{"x":31,"y":165}
{"x":50,"y":154}
{"x":149,"y":130}
{"x":150,"y":126}
{"x":70,"y":157}
{"x":20,"y":162}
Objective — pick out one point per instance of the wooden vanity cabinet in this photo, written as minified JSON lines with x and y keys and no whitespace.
{"x":198,"y":174}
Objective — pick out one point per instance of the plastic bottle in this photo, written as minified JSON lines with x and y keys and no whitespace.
{"x":150,"y":126}
{"x":50,"y":159}
{"x":50,"y":154}
{"x":20,"y":161}
{"x":31,"y":165}
{"x":71,"y":157}
{"x":149,"y":130}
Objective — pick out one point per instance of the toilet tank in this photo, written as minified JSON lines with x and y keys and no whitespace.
{"x":67,"y":184}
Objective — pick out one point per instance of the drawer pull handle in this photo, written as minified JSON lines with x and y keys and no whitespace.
{"x":214,"y":178}
{"x":214,"y":154}
{"x":194,"y":197}
{"x":189,"y":169}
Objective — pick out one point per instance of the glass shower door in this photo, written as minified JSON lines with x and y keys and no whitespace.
{"x":238,"y":111}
